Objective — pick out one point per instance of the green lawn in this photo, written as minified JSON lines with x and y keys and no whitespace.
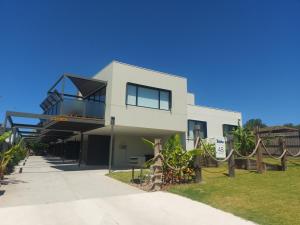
{"x":269,"y":198}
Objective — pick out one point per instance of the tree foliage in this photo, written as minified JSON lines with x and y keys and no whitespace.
{"x":12,"y":156}
{"x":292,"y":125}
{"x":37,"y":147}
{"x":253,"y":123}
{"x":243,"y":140}
{"x":4,"y":136}
{"x":178,"y":162}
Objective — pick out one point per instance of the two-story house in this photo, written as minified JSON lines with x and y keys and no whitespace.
{"x":151,"y":104}
{"x":143,"y":103}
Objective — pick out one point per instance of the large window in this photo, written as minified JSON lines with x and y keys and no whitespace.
{"x":191,"y":126}
{"x":155,"y":98}
{"x":227,"y":129}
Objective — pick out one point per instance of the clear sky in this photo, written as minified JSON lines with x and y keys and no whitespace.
{"x":241,"y":55}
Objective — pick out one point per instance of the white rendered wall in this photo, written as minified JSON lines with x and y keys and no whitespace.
{"x":215,"y":118}
{"x":119,"y":74}
{"x":106,"y":75}
{"x":130,"y":145}
{"x":190,"y":99}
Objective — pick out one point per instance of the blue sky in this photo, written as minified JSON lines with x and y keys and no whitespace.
{"x":241,"y":55}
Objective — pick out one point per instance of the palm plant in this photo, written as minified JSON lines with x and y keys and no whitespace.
{"x":178,"y":162}
{"x":6,"y":156}
{"x":243,"y":140}
{"x":4,"y":136}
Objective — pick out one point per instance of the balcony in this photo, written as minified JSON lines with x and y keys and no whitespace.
{"x":86,"y":101}
{"x":77,"y":108}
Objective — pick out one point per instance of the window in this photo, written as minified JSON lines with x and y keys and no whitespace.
{"x":227,"y":129}
{"x":98,"y":96}
{"x":148,"y":97}
{"x":131,"y":94}
{"x":155,"y":98}
{"x":191,"y":126}
{"x":164,"y":100}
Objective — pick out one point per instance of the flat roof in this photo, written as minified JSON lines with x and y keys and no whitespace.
{"x":208,"y":107}
{"x":139,"y":67}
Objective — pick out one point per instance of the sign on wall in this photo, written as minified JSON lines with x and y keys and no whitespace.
{"x":220,"y":148}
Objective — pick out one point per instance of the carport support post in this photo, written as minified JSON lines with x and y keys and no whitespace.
{"x":111,"y":144}
{"x":197,"y":163}
{"x":63,"y":149}
{"x":62,"y":93}
{"x":81,"y":149}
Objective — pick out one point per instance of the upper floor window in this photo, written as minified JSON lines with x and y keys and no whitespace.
{"x":227,"y":129}
{"x":98,"y":96}
{"x":191,"y":127}
{"x":150,"y":97}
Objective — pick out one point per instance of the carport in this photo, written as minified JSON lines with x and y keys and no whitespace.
{"x":65,"y":115}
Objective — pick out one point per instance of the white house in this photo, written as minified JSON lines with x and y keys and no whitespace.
{"x":151,"y":104}
{"x":144,"y":104}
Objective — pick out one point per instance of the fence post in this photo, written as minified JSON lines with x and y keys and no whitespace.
{"x":157,"y":166}
{"x":197,"y":163}
{"x":231,"y":162}
{"x":284,"y":158}
{"x":259,"y":156}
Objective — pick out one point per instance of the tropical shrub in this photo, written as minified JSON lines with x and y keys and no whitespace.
{"x":178,"y":163}
{"x":243,"y":140}
{"x":37,"y":147}
{"x":10,"y":157}
{"x":4,"y":136}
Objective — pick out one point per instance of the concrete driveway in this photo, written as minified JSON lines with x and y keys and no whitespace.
{"x":52,"y":192}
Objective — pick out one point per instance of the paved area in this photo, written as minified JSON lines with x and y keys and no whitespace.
{"x":52,"y":192}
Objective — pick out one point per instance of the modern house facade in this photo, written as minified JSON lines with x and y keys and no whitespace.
{"x":144,"y":104}
{"x":151,"y":104}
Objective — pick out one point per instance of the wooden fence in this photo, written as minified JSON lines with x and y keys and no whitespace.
{"x":272,"y":142}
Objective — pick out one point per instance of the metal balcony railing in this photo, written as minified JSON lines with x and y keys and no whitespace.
{"x":78,"y":108}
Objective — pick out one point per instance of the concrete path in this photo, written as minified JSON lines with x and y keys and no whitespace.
{"x":50,"y":192}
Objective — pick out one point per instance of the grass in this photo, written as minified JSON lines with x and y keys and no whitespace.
{"x":269,"y":198}
{"x":126,"y":176}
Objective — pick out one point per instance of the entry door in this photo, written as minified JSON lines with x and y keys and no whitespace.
{"x":98,"y":150}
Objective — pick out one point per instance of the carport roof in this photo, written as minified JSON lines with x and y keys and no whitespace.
{"x":57,"y":127}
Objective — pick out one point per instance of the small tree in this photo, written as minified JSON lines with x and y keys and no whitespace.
{"x":12,"y":155}
{"x":243,"y":140}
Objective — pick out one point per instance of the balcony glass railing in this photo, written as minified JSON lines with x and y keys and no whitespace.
{"x":78,"y":108}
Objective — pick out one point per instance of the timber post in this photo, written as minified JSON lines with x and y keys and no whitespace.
{"x":231,"y":162}
{"x":157,"y":166}
{"x":259,"y":156}
{"x":197,"y":162}
{"x":284,"y":157}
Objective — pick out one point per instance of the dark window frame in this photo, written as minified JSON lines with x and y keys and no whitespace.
{"x":225,"y":124}
{"x":148,"y":87}
{"x":188,"y":126}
